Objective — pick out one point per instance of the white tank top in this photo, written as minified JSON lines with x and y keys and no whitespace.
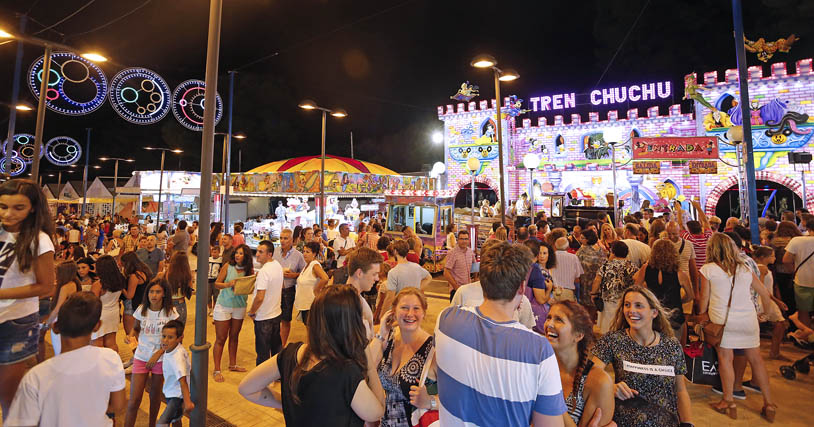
{"x":306,"y":282}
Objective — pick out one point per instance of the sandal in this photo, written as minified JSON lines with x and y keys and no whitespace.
{"x":237,"y":368}
{"x":218,"y":377}
{"x":726,"y":408}
{"x":768,"y":412}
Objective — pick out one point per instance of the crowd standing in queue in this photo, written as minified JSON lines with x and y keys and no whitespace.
{"x":556,"y":312}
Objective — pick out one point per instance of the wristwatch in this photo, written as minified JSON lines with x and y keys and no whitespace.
{"x":433,"y":403}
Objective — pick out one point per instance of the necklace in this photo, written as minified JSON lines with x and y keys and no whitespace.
{"x":655,"y":335}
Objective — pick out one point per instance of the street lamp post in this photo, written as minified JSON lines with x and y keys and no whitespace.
{"x":46,"y":77}
{"x":339,"y":113}
{"x":161,"y":176}
{"x":486,"y":61}
{"x":15,"y":93}
{"x":613,"y":136}
{"x":473,"y":165}
{"x":531,"y":161}
{"x":225,"y":170}
{"x":115,"y":176}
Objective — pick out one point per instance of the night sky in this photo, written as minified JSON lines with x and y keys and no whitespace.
{"x":388,"y":63}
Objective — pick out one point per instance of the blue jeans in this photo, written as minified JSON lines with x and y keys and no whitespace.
{"x":267,"y":341}
{"x":181,"y":307}
{"x":19,"y":339}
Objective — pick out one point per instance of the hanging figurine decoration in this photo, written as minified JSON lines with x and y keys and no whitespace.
{"x":693,"y":91}
{"x":466,"y":93}
{"x":765,"y":50}
{"x":514,"y":107}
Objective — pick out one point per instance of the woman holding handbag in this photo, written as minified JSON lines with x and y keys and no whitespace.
{"x":733,"y":325}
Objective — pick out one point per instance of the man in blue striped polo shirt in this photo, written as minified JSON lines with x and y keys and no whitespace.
{"x":492,"y":370}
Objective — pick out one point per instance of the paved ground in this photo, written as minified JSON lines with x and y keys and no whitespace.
{"x":794,"y":397}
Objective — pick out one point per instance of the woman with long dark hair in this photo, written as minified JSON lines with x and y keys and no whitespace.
{"x":331,"y":380}
{"x":67,"y":285}
{"x":138,"y":275}
{"x":215,"y":233}
{"x":108,"y":288}
{"x":230,"y":309}
{"x":25,"y":238}
{"x":784,"y":273}
{"x":586,"y":388}
{"x":179,"y":276}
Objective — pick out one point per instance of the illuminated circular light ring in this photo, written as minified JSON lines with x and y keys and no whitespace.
{"x":63,"y":151}
{"x":24,"y":144}
{"x":17,"y":166}
{"x":188,"y":104}
{"x":72,"y":94}
{"x":140,"y":96}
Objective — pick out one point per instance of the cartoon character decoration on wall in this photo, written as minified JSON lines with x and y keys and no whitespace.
{"x":692,"y":91}
{"x":352,"y":210}
{"x":765,"y":50}
{"x":466,"y":93}
{"x":332,"y":207}
{"x":514,"y":107}
{"x":787,"y":125}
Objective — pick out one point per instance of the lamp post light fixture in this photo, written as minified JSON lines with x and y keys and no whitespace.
{"x":507,"y":75}
{"x":531,"y":161}
{"x":437,"y":137}
{"x":239,"y":136}
{"x":115,"y":176}
{"x":614,"y":136}
{"x":49,"y":46}
{"x":339,"y":113}
{"x":161,"y":175}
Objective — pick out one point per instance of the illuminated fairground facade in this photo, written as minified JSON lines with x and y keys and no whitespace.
{"x":576,"y":160}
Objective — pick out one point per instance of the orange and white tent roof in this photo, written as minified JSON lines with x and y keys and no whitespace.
{"x":332,"y":164}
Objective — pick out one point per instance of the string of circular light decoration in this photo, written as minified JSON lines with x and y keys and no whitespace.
{"x":188,"y":104}
{"x":63,"y":151}
{"x":139,"y":96}
{"x":76,"y":86}
{"x":24,"y":144}
{"x":17,"y":165}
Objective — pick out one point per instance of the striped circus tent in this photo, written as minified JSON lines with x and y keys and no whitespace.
{"x":332,"y":164}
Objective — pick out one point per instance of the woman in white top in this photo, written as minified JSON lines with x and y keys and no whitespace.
{"x":25,"y":237}
{"x":725,"y":277}
{"x":451,"y":240}
{"x":108,"y":288}
{"x":310,"y":282}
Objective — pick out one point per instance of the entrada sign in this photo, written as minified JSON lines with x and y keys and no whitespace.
{"x":606,"y":96}
{"x":696,"y":147}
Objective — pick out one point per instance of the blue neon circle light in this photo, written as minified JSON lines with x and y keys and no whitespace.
{"x":81,"y":86}
{"x":17,"y":165}
{"x":139,"y":96}
{"x":188,"y":104}
{"x":23,"y":147}
{"x":63,"y":151}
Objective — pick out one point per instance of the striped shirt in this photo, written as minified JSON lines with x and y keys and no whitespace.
{"x":493,"y":373}
{"x":699,"y":244}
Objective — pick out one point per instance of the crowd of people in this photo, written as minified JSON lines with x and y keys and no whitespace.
{"x":536,"y":317}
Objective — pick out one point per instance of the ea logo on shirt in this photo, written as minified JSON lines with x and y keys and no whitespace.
{"x":709,"y":368}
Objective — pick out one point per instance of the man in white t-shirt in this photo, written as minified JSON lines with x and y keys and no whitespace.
{"x":79,"y":386}
{"x":638,"y":252}
{"x":405,"y":274}
{"x":265,"y":308}
{"x":343,"y":244}
{"x":799,"y":253}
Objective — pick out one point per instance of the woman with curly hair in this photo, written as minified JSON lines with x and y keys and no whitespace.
{"x":656,"y":228}
{"x":569,"y":330}
{"x":660,"y":274}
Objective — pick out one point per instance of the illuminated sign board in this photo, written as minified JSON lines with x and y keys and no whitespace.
{"x":607,"y":96}
{"x":678,"y":148}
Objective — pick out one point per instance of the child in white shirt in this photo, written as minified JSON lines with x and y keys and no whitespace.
{"x":176,"y":367}
{"x":79,"y":386}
